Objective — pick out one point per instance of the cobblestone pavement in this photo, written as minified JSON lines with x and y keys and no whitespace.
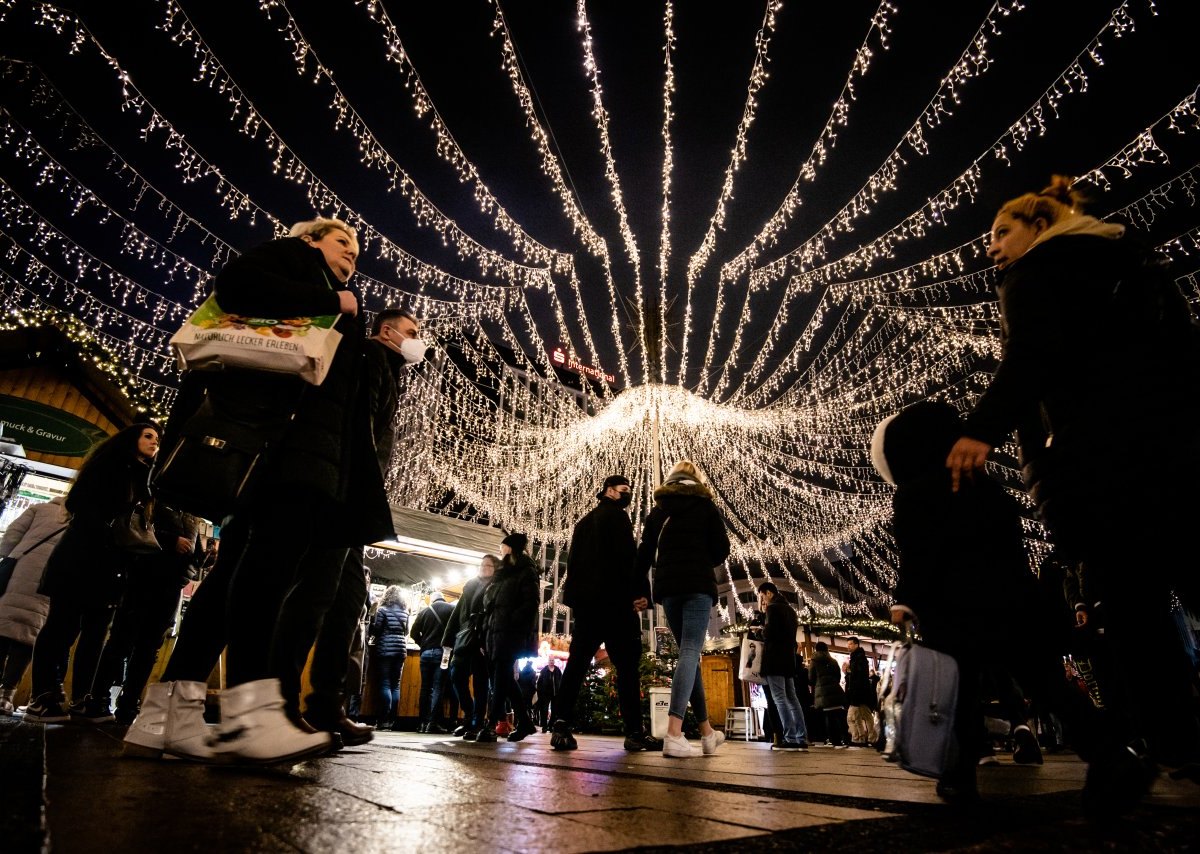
{"x":435,"y":793}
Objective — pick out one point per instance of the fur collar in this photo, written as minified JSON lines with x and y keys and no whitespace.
{"x":682,"y":488}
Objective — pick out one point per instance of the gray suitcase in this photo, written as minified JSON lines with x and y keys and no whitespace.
{"x":926,"y":688}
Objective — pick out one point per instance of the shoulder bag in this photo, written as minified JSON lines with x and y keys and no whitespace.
{"x":133,"y":531}
{"x":926,"y":690}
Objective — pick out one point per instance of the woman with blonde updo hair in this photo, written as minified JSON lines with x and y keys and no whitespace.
{"x":1097,"y":375}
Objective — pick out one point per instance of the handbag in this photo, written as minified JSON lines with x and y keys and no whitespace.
{"x":213,"y":339}
{"x":210,"y":470}
{"x":926,"y":689}
{"x":133,"y":531}
{"x":752,"y":660}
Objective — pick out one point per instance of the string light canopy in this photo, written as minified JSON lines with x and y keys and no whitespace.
{"x":515,"y":172}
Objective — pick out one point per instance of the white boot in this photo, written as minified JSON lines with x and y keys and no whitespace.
{"x":255,"y":729}
{"x":171,"y":721}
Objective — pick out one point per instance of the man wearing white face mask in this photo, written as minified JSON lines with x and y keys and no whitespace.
{"x":605,"y":593}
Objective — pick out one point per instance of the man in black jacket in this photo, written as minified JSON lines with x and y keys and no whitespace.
{"x":605,"y":594}
{"x":427,"y":631}
{"x":860,"y":697}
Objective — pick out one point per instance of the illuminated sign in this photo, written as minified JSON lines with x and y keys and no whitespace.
{"x":46,"y":429}
{"x":567,"y":362}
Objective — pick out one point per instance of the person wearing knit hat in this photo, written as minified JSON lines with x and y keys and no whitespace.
{"x":511,"y":605}
{"x":605,"y":594}
{"x":684,"y":538}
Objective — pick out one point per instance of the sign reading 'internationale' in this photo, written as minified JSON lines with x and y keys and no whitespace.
{"x":567,"y":362}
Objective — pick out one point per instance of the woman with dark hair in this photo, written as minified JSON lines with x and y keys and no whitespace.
{"x":389,"y":639}
{"x":86,"y":573}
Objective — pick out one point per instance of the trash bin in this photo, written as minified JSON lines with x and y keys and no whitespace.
{"x":660,"y":705}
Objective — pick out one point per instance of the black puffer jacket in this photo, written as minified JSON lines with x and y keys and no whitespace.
{"x":511,"y":604}
{"x":859,"y":690}
{"x":329,"y":447}
{"x":683,"y":538}
{"x":826,"y":679}
{"x":601,"y":570}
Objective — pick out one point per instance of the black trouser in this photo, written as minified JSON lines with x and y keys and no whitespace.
{"x":1134,"y":542}
{"x":620,"y":632}
{"x":466,"y":669}
{"x":835,"y":725}
{"x":505,"y":688}
{"x":16,"y":657}
{"x":84,"y":579}
{"x":774,"y":724}
{"x":141,"y":621}
{"x":333,"y":654}
{"x":302,"y":622}
{"x":246,"y":591}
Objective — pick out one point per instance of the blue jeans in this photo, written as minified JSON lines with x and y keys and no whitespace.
{"x":687,"y":615}
{"x":791,"y":715}
{"x":390,"y":669}
{"x":430,"y":700}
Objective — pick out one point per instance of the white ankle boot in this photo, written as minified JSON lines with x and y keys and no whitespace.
{"x":255,"y":729}
{"x":171,"y":721}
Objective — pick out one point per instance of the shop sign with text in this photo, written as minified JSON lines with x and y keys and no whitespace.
{"x":47,"y":430}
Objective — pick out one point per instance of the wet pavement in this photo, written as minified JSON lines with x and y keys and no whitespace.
{"x":66,"y":788}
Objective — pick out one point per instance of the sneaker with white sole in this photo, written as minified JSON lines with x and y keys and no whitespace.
{"x":712,"y":741}
{"x":679,"y":747}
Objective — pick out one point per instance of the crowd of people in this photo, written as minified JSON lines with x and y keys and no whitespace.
{"x":1099,"y":362}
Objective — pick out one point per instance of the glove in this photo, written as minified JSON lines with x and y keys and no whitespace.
{"x":446,"y":651}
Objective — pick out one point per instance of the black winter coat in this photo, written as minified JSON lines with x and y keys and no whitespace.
{"x":511,"y":604}
{"x":1095,"y":352}
{"x":328,"y":448}
{"x":548,"y":683}
{"x":601,"y":564}
{"x":389,"y":628}
{"x":826,"y":679}
{"x":683,"y":538}
{"x":467,"y":610}
{"x":779,"y":636}
{"x":859,"y":690}
{"x":430,"y":625}
{"x":383,"y":375}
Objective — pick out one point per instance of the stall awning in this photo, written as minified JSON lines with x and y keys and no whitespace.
{"x":430,"y":547}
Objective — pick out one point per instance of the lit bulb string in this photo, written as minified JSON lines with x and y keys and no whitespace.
{"x":23,"y":308}
{"x":21,"y":144}
{"x":388,"y":294}
{"x":450,"y":151}
{"x":194,"y":166}
{"x":552,"y":168}
{"x":287,"y":162}
{"x":83,"y":304}
{"x":600,"y":114}
{"x":376,"y":154}
{"x":664,"y":250}
{"x":758,"y":79}
{"x":1072,"y":80}
{"x":826,"y":141}
{"x":961,"y":191}
{"x":1142,"y":151}
{"x":44,"y":93}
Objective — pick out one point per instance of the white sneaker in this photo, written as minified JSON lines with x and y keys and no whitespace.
{"x":710,"y":743}
{"x":678,"y":747}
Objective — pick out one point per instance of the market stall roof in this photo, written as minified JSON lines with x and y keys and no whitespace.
{"x":430,"y":547}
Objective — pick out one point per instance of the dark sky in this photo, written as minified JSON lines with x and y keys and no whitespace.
{"x":459,"y":61}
